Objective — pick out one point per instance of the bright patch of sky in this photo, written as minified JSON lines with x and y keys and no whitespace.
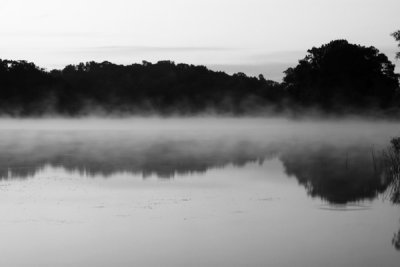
{"x":253,"y":36}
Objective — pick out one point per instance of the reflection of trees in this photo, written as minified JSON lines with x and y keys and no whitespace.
{"x":396,"y":240}
{"x":338,"y":175}
{"x":347,"y":174}
{"x":89,"y":154}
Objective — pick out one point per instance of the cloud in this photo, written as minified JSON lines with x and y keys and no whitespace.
{"x":142,"y":49}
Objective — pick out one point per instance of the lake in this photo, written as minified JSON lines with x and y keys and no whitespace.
{"x":197,"y":192}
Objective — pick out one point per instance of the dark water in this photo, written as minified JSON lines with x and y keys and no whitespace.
{"x":197,"y":192}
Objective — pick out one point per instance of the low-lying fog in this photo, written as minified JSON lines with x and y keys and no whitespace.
{"x":197,"y":192}
{"x":167,"y":146}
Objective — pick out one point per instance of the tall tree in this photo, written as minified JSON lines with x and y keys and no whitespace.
{"x":340,"y":74}
{"x":396,"y":36}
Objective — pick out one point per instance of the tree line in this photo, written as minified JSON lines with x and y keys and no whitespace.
{"x":336,"y":77}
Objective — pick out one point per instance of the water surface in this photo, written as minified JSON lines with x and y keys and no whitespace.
{"x":196,"y":192}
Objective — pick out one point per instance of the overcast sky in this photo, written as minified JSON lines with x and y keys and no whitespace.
{"x":255,"y":36}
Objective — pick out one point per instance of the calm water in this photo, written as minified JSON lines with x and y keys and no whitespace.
{"x":196,"y":192}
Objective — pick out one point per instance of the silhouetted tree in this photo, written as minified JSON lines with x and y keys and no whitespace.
{"x":163,"y":87}
{"x":392,"y":169}
{"x":335,"y":75}
{"x":396,"y":36}
{"x":392,"y":175}
{"x":340,"y":74}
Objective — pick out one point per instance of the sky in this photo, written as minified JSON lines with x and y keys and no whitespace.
{"x":251,"y":36}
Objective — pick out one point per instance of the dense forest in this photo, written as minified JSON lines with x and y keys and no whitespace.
{"x":337,"y":77}
{"x":164,"y":87}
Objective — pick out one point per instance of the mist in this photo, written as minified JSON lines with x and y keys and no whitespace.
{"x":167,"y":147}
